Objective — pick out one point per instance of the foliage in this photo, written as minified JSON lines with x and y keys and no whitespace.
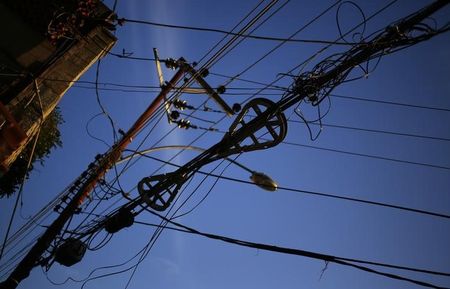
{"x":49,"y":138}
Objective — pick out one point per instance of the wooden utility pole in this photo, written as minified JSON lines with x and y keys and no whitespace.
{"x":30,"y":260}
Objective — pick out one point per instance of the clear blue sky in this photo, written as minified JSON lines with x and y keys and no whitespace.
{"x":418,"y":75}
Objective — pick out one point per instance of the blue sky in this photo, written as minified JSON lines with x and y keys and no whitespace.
{"x":417,"y":75}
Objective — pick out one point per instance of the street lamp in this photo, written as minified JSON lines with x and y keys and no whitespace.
{"x":258,"y":178}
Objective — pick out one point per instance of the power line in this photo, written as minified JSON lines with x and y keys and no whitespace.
{"x":341,"y":95}
{"x":100,"y":104}
{"x":318,"y":256}
{"x":218,"y":55}
{"x":364,"y":22}
{"x":279,"y":88}
{"x":123,"y":56}
{"x":232,"y":29}
{"x":242,"y":35}
{"x":279,"y":45}
{"x":88,"y":181}
{"x":156,"y":90}
{"x":367,"y":156}
{"x":368,"y":202}
{"x":390,"y":102}
{"x":257,"y":26}
{"x":144,"y":254}
{"x":30,"y":160}
{"x":359,"y":154}
{"x":325,"y":257}
{"x":376,"y":131}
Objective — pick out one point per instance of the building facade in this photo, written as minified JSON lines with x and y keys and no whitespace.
{"x":46,"y":46}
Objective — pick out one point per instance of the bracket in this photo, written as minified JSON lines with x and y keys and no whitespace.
{"x":197,"y":76}
{"x":161,"y":83}
{"x":247,"y":136}
{"x":160,"y":199}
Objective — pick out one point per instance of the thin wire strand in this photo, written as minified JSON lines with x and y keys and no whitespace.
{"x":368,"y":202}
{"x":240,"y":35}
{"x":319,"y":256}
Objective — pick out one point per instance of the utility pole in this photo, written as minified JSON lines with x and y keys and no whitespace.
{"x":87,"y":181}
{"x":24,"y":268}
{"x":159,"y":191}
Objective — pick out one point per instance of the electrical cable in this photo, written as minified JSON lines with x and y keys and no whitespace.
{"x":213,"y":58}
{"x":126,"y":270}
{"x":154,"y":235}
{"x":229,"y":88}
{"x":379,"y":131}
{"x":305,"y":62}
{"x":16,"y":203}
{"x":254,"y":94}
{"x":361,"y":154}
{"x":90,"y":134}
{"x":157,"y":234}
{"x":368,"y":202}
{"x":390,"y":102}
{"x":254,"y":29}
{"x":228,"y":33}
{"x":209,"y":190}
{"x":30,"y":159}
{"x":122,"y":56}
{"x":279,"y":45}
{"x":239,"y":91}
{"x":97,"y":94}
{"x":41,"y":214}
{"x":368,"y":156}
{"x":319,"y":256}
{"x":232,"y":29}
{"x":338,"y":22}
{"x":114,"y":7}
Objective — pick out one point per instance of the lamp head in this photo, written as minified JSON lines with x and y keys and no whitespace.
{"x":264,"y":181}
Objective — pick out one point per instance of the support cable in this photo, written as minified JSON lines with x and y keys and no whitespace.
{"x":368,"y":202}
{"x":228,"y":33}
{"x":318,"y":256}
{"x":368,"y":156}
